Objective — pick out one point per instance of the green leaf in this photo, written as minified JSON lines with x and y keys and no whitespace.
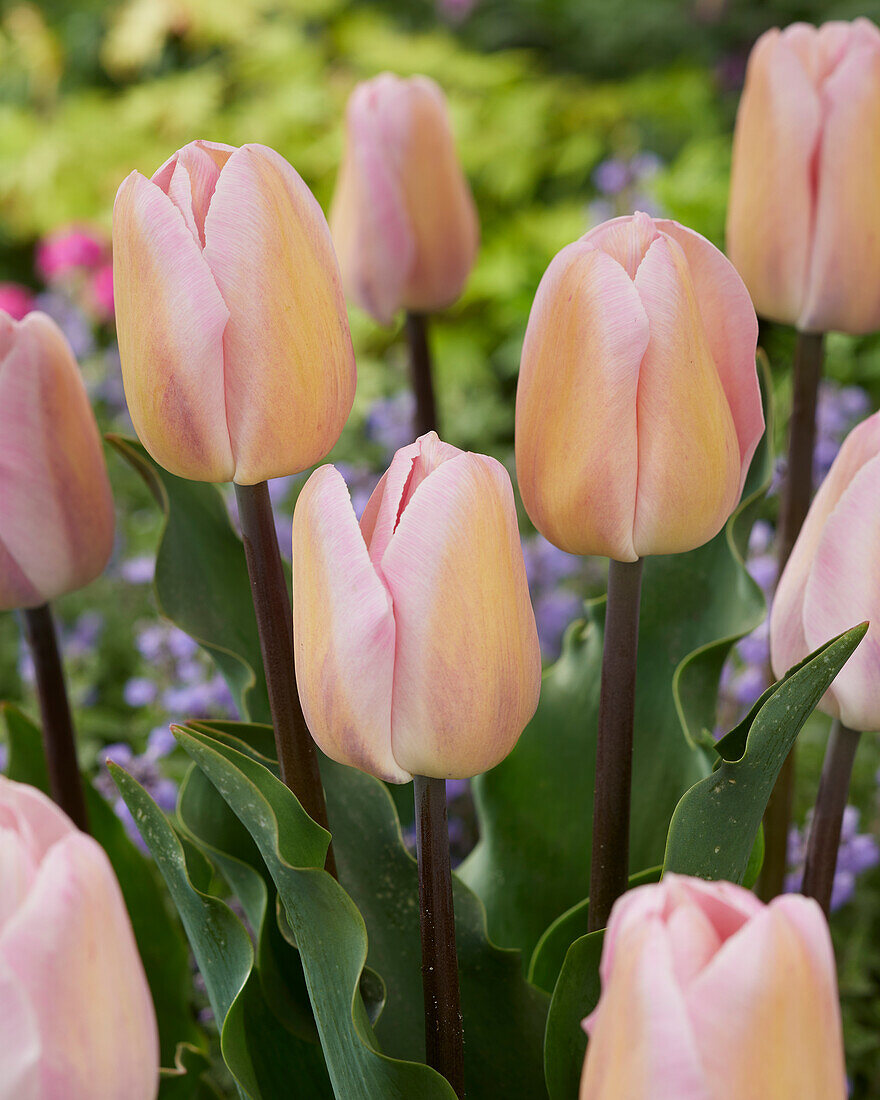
{"x":717,"y":821}
{"x":156,"y":928}
{"x":533,"y":859}
{"x":262,"y":1055}
{"x":329,"y":930}
{"x":575,"y":996}
{"x":201,"y":580}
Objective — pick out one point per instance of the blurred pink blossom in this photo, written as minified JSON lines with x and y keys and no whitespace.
{"x":16,"y":300}
{"x":101,"y":291}
{"x":70,"y":249}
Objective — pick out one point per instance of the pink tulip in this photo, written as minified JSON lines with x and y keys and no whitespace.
{"x":56,"y":511}
{"x":416,"y":646}
{"x":803,"y":225}
{"x":76,"y":1015}
{"x":236,"y":354}
{"x":708,"y":994}
{"x":638,"y":408}
{"x":68,"y":250}
{"x":403,"y":217}
{"x":831,"y":580}
{"x":16,"y":300}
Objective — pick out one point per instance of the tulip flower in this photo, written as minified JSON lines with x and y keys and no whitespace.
{"x":708,"y":994}
{"x":829,"y":583}
{"x":403,"y":218}
{"x":236,"y":354}
{"x":56,"y":519}
{"x":638,"y":407}
{"x":803,"y":224}
{"x":416,"y":646}
{"x":78,"y":1019}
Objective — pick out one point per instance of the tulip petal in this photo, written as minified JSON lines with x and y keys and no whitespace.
{"x":467,"y":668}
{"x":765,"y":1017}
{"x":170,"y":318}
{"x":576,"y":440}
{"x":843,"y":589}
{"x":52,"y":469}
{"x":189,"y":178}
{"x":846,"y":241}
{"x":290,"y":371}
{"x":625,"y":239}
{"x":71,"y":935}
{"x":33,"y":815}
{"x":19,"y":1041}
{"x":731,"y":329}
{"x":344,"y":632}
{"x":769,"y":219}
{"x":688,"y":454}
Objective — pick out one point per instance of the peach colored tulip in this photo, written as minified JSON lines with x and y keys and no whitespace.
{"x":416,"y":646}
{"x":708,"y":994}
{"x":831,"y":581}
{"x":76,"y":1015}
{"x":638,"y":408}
{"x":236,"y":354}
{"x":403,"y":217}
{"x":803,"y":225}
{"x":56,"y":511}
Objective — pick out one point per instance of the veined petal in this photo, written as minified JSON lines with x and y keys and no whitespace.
{"x":344,"y":632}
{"x":468,"y":668}
{"x":20,"y":1046}
{"x":289,"y":363}
{"x":625,"y":239}
{"x":33,"y":815}
{"x":170,"y":319}
{"x":576,"y":443}
{"x":688,"y":453}
{"x":189,"y":178}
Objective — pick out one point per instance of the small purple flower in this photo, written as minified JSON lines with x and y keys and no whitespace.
{"x":762,"y":570}
{"x":612,"y":176}
{"x":139,"y":570}
{"x":390,"y":419}
{"x":180,"y":644}
{"x":748,"y":686}
{"x":754,"y":648}
{"x":85,"y":634}
{"x":70,"y":319}
{"x":139,"y":692}
{"x":554,"y":611}
{"x":120,"y":753}
{"x":160,"y":743}
{"x":151,"y":641}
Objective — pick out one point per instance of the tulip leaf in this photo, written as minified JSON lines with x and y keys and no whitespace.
{"x":328,"y":928}
{"x":716,"y":823}
{"x":159,"y":937}
{"x":575,"y":996}
{"x":262,"y":1055}
{"x":533,"y":859}
{"x":201,"y":581}
{"x":504,"y":1016}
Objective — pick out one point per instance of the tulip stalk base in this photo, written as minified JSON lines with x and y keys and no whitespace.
{"x":421,"y":373}
{"x":65,"y":782}
{"x":297,"y":756}
{"x":609,"y":870}
{"x":827,"y":819}
{"x":444,"y":1038}
{"x":794,"y":505}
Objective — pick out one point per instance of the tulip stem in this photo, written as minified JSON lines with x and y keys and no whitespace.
{"x":297,"y":756}
{"x":824,"y":840}
{"x":444,"y":1038}
{"x":59,"y":742}
{"x":421,"y":374}
{"x":609,"y":869}
{"x":794,"y":505}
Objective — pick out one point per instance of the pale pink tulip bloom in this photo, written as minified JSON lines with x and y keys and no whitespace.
{"x":708,"y":994}
{"x":638,"y":407}
{"x":76,"y":1014}
{"x":234,"y":340}
{"x":416,"y":646}
{"x":832,"y":580}
{"x":403,"y":217}
{"x":803,"y":226}
{"x":56,"y":510}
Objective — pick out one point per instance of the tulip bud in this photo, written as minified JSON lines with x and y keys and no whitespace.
{"x":56,"y":511}
{"x":416,"y":646}
{"x":709,"y":994}
{"x":403,"y":217}
{"x":236,"y":354}
{"x":78,"y":1019}
{"x":638,"y":408}
{"x":803,"y":226}
{"x":830,"y":581}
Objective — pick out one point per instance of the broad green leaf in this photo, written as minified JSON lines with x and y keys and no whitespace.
{"x":575,"y":996}
{"x":329,"y":930}
{"x":157,"y":931}
{"x":261,"y":1054}
{"x":504,"y":1016}
{"x":201,"y":580}
{"x":716,"y":823}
